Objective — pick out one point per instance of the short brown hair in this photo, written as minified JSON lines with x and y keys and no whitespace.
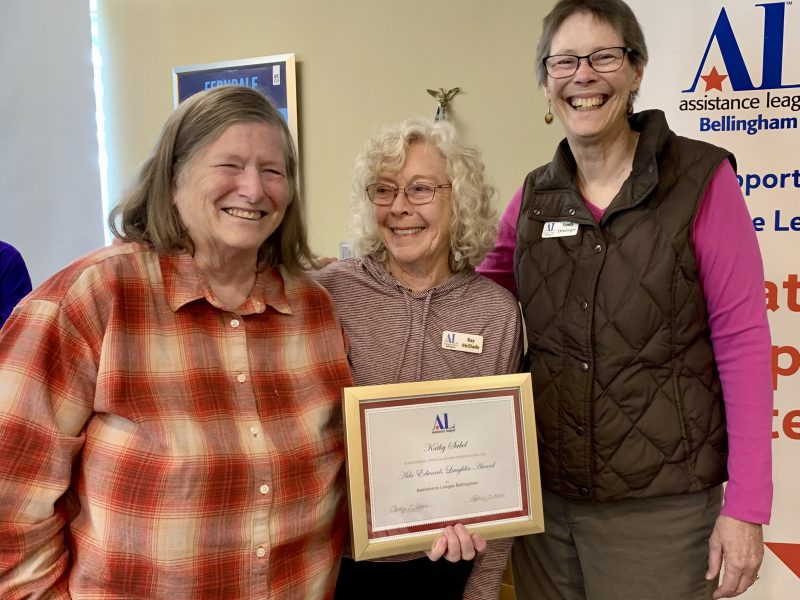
{"x":614,"y":12}
{"x":146,"y":212}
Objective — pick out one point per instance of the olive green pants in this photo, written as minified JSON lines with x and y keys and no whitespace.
{"x":647,"y":549}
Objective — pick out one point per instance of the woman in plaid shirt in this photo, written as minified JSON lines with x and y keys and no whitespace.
{"x":170,"y":421}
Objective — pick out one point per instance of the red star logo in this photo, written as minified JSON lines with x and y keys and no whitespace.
{"x":714,"y":80}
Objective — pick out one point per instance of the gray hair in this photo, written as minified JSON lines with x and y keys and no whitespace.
{"x":147,"y":214}
{"x":473,"y":226}
{"x":614,"y":12}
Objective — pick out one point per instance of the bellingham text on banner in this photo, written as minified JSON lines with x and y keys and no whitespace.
{"x":727,"y":123}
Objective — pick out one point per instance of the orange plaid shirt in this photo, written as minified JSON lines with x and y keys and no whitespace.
{"x":154,"y":445}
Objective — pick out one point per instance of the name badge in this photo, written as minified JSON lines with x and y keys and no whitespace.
{"x":462,"y":342}
{"x":559,"y":229}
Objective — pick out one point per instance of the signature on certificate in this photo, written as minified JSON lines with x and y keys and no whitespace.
{"x":408,"y":508}
{"x":476,"y":498}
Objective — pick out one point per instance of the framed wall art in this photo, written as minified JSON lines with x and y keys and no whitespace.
{"x":273,"y":76}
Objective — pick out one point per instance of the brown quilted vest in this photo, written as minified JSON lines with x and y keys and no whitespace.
{"x":626,"y":390}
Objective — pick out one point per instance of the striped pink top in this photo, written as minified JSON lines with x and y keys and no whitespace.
{"x":395,"y":336}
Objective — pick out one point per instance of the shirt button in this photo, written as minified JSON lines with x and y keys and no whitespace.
{"x":584,"y":305}
{"x":571,"y":212}
{"x":598,"y":249}
{"x":580,"y":431}
{"x":264,"y":489}
{"x":261,"y":553}
{"x":583,"y":491}
{"x":258,"y":306}
{"x":584,"y":367}
{"x":234,"y":323}
{"x":254,"y":430}
{"x":241,"y":378}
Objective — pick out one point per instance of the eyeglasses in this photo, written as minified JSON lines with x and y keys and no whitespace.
{"x":606,"y":60}
{"x":383,"y":194}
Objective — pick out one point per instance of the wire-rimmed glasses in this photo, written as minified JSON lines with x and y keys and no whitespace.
{"x":384,"y":194}
{"x":605,"y":60}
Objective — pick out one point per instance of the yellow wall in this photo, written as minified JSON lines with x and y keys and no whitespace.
{"x":359,"y":63}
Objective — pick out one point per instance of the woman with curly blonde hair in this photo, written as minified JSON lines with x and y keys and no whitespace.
{"x":473,"y":223}
{"x":422,"y":222}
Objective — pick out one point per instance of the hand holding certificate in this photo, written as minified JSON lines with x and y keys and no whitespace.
{"x":425,"y":455}
{"x":456,"y":544}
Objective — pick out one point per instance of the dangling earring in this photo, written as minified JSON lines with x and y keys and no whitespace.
{"x":548,"y":116}
{"x":630,"y":107}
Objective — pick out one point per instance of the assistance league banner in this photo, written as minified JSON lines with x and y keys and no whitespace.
{"x":728,"y":72}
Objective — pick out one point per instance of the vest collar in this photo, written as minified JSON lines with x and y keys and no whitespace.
{"x":559,"y":176}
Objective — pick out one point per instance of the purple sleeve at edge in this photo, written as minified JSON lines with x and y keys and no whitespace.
{"x":732,"y":275}
{"x":499,"y":263}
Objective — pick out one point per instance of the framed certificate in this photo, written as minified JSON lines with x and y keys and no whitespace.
{"x":273,"y":76}
{"x":424,"y":455}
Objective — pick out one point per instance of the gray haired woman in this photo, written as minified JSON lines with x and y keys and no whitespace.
{"x":422,"y":221}
{"x":161,"y":399}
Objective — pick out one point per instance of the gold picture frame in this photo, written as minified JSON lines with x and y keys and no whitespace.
{"x":427,"y":454}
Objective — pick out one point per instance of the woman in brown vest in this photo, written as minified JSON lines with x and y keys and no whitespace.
{"x":647,"y":334}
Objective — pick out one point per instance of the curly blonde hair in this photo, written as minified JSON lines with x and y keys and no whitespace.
{"x":473,"y":225}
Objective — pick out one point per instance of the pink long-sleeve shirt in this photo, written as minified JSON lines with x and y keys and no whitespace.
{"x":732,"y":275}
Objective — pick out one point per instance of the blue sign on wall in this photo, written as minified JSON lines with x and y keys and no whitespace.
{"x":273,"y":76}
